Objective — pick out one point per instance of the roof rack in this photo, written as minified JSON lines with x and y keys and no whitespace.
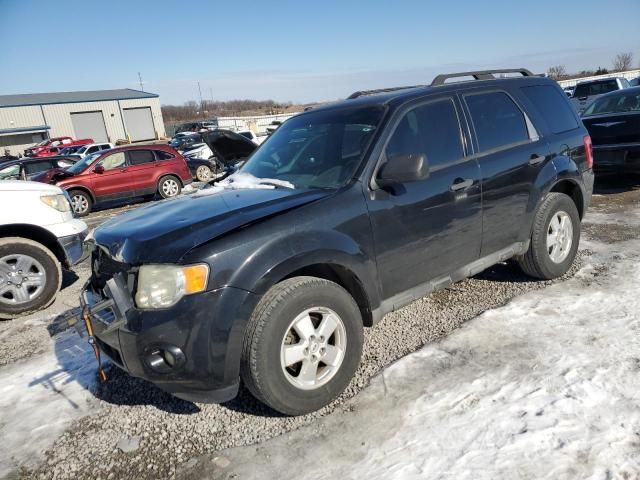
{"x":479,"y":75}
{"x":362,"y":93}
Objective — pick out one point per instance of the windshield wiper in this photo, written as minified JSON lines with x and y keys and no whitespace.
{"x":276,"y":183}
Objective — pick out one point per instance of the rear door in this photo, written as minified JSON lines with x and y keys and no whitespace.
{"x":143,"y":169}
{"x":116,"y":181}
{"x":511,"y":154}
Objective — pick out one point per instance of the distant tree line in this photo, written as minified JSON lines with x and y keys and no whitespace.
{"x":621,"y":62}
{"x":210,"y":109}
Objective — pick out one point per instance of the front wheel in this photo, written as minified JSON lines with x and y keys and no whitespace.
{"x":30,"y":276}
{"x":303,"y":345}
{"x":554,"y":239}
{"x":169,"y":187}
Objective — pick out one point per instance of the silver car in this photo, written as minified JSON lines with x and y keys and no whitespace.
{"x":586,"y":92}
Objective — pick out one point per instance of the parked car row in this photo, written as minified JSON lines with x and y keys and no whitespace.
{"x":52,"y":146}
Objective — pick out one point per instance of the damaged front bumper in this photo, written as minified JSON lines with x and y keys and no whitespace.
{"x":191,"y":350}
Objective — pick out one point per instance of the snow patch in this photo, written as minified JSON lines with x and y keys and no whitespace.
{"x":41,"y":397}
{"x":242,"y":180}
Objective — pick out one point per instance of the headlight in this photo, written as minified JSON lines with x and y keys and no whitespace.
{"x":59,"y":202}
{"x":161,"y":286}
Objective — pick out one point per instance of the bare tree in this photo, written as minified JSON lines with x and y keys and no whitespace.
{"x":557,"y":72}
{"x":622,"y":61}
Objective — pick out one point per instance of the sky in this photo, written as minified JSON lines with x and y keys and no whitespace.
{"x":296,"y":51}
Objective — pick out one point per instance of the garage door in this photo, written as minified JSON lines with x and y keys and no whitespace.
{"x":139,"y":124}
{"x":89,"y":125}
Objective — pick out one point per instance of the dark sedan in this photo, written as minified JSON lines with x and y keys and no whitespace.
{"x":27,"y":167}
{"x":613,"y":121}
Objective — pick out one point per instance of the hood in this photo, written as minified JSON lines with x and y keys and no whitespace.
{"x":22,"y":186}
{"x":165,"y":231}
{"x":229,"y":147}
{"x":52,"y":175}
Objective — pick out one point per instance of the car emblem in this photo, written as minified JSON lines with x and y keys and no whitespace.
{"x":607,"y":124}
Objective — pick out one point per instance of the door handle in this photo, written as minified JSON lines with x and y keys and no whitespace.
{"x":536,"y":159}
{"x":460,"y":184}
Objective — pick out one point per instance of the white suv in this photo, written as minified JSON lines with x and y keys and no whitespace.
{"x":38,"y":236}
{"x":90,"y":148}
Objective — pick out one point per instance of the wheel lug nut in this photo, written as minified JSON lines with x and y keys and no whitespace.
{"x":322,"y":338}
{"x":306,"y":351}
{"x":314,"y":358}
{"x":323,"y":351}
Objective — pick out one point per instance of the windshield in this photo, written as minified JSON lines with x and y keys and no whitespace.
{"x":317,"y":150}
{"x":595,"y":88}
{"x":614,"y":104}
{"x":43,"y":143}
{"x":80,"y":166}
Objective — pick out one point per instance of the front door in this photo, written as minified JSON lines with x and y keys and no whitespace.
{"x":426,"y":229}
{"x":115,"y":182}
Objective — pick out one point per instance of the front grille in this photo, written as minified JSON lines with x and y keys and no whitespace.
{"x":104,"y":268}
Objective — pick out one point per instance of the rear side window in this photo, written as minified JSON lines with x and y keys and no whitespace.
{"x":432,"y":130}
{"x":138,"y":157}
{"x":36,"y":167}
{"x":161,"y":155}
{"x":552,"y":105}
{"x":497,"y":120}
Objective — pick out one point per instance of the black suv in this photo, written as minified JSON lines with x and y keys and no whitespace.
{"x":346,"y":213}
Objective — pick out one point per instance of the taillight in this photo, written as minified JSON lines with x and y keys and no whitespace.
{"x":588,"y":150}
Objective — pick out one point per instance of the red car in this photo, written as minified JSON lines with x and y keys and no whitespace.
{"x":52,"y":146}
{"x":120,"y":174}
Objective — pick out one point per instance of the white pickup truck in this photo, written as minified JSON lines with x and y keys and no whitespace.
{"x":38,"y":237}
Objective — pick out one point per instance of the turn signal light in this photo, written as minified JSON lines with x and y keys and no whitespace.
{"x":195,"y":278}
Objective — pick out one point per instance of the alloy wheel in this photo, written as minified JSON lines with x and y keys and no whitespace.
{"x":170,"y":187}
{"x":559,"y":236}
{"x":313,"y":348}
{"x":22,"y":279}
{"x":80,"y":204}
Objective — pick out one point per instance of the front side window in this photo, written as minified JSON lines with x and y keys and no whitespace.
{"x":310,"y":150}
{"x":139,"y":157}
{"x":432,"y":130}
{"x":113,"y":161}
{"x":497,"y":120}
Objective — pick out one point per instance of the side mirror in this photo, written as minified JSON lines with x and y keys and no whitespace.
{"x":403,"y":169}
{"x":99,"y":169}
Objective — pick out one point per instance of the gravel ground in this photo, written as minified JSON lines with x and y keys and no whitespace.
{"x":142,"y":432}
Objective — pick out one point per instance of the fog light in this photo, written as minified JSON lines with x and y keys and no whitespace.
{"x":165,"y":359}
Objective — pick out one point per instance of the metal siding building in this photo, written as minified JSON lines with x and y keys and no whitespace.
{"x":104,"y":115}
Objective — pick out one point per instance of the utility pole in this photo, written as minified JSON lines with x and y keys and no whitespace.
{"x":201,"y":103}
{"x":141,"y":82}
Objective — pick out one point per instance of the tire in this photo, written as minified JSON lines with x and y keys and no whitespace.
{"x":542,"y":260}
{"x":204,"y":173}
{"x":270,"y":331}
{"x":81,"y":202}
{"x":169,"y":186}
{"x":38,"y":262}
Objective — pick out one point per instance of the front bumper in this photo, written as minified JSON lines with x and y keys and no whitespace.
{"x":617,"y":158}
{"x":73,"y":246}
{"x":208,"y":329}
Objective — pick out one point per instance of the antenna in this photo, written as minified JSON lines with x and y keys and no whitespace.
{"x":141,"y":82}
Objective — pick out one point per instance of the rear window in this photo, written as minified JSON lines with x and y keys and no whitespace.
{"x":497,"y":120}
{"x":553,"y":106}
{"x":595,"y":88}
{"x":138,"y":157}
{"x":161,"y":155}
{"x":614,"y":104}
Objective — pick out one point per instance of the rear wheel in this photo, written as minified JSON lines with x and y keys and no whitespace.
{"x":169,"y":186}
{"x":554,"y":240}
{"x":204,"y":173}
{"x":303,"y":345}
{"x":30,"y":276}
{"x":80,"y":202}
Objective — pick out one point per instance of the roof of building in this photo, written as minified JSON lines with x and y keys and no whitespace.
{"x":26,"y":99}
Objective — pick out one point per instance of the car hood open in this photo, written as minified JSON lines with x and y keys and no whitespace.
{"x":165,"y":231}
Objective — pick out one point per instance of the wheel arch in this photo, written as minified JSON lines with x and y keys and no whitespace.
{"x":36,"y":234}
{"x":572,"y":189}
{"x":83,"y":188}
